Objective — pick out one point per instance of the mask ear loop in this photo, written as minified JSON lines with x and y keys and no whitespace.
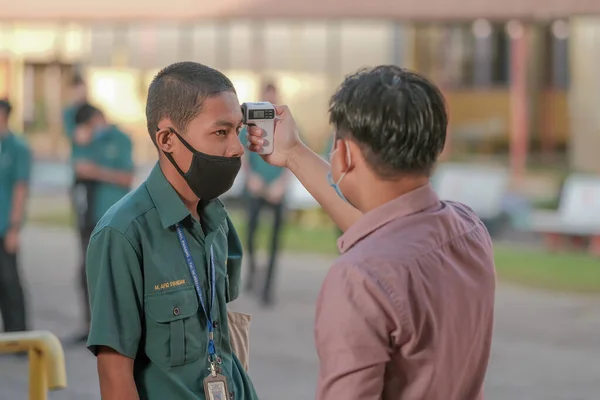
{"x":169,"y":155}
{"x":348,"y":160}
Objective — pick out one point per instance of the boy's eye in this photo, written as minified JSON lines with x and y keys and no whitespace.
{"x":221,"y":132}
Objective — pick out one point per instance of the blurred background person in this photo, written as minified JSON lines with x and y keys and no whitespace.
{"x":15,"y":166}
{"x":78,"y":97}
{"x":265,"y":188}
{"x":103,"y":175}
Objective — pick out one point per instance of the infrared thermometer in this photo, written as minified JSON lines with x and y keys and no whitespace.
{"x":261,"y":114}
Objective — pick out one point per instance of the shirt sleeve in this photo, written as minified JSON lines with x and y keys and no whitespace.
{"x":115,"y":283}
{"x":69,"y":122}
{"x":23,"y":170}
{"x":83,"y":153}
{"x":234,"y":262}
{"x":352,"y":335}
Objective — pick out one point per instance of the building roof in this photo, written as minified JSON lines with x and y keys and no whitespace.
{"x":292,"y":9}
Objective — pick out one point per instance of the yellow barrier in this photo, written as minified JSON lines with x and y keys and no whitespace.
{"x":46,"y":360}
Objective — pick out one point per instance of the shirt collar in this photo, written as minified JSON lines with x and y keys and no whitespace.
{"x":171,"y":209}
{"x":407,"y":204}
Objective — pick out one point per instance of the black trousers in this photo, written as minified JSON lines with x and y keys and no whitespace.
{"x":84,"y":240}
{"x":82,"y":198}
{"x":255,"y":206}
{"x":12,"y":296}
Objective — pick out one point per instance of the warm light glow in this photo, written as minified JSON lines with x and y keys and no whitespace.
{"x":38,"y":41}
{"x":116,"y":91}
{"x":246,"y":85}
{"x":560,"y":29}
{"x":290,"y":86}
{"x":73,"y":42}
{"x":482,"y":28}
{"x":514,"y":29}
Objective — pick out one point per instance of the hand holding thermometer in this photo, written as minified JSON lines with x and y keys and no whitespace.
{"x":262,"y":115}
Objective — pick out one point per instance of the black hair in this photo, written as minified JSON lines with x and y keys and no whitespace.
{"x":270,"y":87}
{"x":5,"y":106}
{"x":397,"y":117}
{"x":77,"y":80}
{"x":178,"y":92}
{"x":85,"y":113}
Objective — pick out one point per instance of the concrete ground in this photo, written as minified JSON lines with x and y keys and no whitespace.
{"x":546,"y":345}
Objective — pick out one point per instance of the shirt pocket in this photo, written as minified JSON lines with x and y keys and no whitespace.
{"x":173,"y":332}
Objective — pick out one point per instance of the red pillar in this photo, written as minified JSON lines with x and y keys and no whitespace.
{"x":519,"y":105}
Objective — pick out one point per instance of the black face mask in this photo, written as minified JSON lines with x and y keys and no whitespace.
{"x":208,"y":176}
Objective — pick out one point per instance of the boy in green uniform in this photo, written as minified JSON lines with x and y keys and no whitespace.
{"x":15,"y":167}
{"x":163,"y":262}
{"x":103,"y":175}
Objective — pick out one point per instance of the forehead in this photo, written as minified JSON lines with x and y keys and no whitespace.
{"x":224,"y":107}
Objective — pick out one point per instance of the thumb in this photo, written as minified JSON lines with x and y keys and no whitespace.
{"x":280,"y":110}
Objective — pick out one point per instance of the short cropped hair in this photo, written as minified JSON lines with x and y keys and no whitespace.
{"x":397,"y":117}
{"x":5,"y":106}
{"x":85,"y":113}
{"x":178,"y":92}
{"x":270,"y":87}
{"x":77,"y":80}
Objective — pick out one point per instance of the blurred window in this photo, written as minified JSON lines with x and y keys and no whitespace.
{"x":557,"y":55}
{"x":464,"y":55}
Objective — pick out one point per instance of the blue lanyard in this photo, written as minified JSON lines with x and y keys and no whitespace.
{"x":192,"y":268}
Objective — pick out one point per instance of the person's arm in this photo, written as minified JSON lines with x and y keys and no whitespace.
{"x":115,"y":372}
{"x":88,"y":170}
{"x":352,"y":336}
{"x":311,"y":170}
{"x":19,"y":199}
{"x":120,"y":174}
{"x":115,"y":283}
{"x":234,"y":262}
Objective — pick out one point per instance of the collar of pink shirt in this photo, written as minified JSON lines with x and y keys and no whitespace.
{"x":407,"y":204}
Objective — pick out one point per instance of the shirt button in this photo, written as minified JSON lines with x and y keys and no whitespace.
{"x":216,"y":324}
{"x":176,"y":311}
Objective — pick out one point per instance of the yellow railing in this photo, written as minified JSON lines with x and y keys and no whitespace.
{"x":46,"y":360}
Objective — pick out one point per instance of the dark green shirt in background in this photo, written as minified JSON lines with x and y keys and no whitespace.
{"x":114,"y":151}
{"x":15,"y":167}
{"x":267,"y":172}
{"x":111,"y":149}
{"x":69,"y":126}
{"x":144,"y":304}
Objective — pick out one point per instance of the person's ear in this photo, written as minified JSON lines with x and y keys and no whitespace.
{"x":165,"y":140}
{"x":345,"y":148}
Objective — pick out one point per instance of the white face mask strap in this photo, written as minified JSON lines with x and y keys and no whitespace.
{"x":348,"y":160}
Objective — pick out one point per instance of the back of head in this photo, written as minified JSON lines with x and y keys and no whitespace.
{"x":178,"y":93}
{"x":5,"y":107}
{"x":86,"y":114}
{"x":397,"y":117}
{"x":77,"y":81}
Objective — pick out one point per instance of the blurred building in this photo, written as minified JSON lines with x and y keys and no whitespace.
{"x":518,"y":72}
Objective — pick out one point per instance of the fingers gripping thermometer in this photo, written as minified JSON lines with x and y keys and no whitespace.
{"x":262,"y":115}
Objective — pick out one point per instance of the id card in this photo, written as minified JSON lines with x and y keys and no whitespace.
{"x":215,"y":387}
